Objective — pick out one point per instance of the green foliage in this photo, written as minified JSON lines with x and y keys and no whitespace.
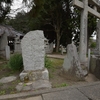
{"x":61,"y":85}
{"x":16,"y":62}
{"x":2,"y":92}
{"x":48,"y":63}
{"x":93,"y":45}
{"x":4,"y":8}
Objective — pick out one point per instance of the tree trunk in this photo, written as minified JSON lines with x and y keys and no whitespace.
{"x":58,"y":42}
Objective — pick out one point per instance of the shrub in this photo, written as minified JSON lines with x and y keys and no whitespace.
{"x":48,"y":63}
{"x":93,"y":45}
{"x":16,"y":62}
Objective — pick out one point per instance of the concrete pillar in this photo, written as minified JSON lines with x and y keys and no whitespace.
{"x":83,"y":33}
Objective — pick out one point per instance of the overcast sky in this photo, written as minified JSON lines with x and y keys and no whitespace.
{"x":17,"y":6}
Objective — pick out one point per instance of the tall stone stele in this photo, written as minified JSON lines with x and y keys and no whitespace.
{"x":71,"y":65}
{"x":33,"y":53}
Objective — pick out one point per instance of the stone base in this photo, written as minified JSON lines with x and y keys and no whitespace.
{"x":26,"y":76}
{"x":36,"y":85}
{"x":33,"y":80}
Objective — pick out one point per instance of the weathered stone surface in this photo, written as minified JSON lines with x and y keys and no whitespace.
{"x":33,"y":85}
{"x":19,"y":87}
{"x":72,"y":94}
{"x":33,"y":50}
{"x":41,"y":84}
{"x":45,"y":74}
{"x":35,"y":75}
{"x":7,"y":51}
{"x":92,"y":92}
{"x":7,"y":79}
{"x":23,"y":75}
{"x":71,"y":62}
{"x":94,"y":65}
{"x":24,"y":86}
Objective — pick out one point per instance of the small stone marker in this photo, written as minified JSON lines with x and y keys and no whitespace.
{"x":72,"y":64}
{"x":7,"y":50}
{"x":33,"y":53}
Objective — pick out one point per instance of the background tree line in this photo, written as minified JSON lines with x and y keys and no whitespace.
{"x":59,"y":20}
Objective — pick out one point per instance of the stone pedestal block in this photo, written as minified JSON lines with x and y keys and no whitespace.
{"x":33,"y":80}
{"x":27,"y":76}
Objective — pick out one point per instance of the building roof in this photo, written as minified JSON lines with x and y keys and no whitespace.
{"x":9,"y":31}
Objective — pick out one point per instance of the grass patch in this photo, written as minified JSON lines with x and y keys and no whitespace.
{"x":48,"y":63}
{"x":56,"y":62}
{"x":52,"y":66}
{"x":61,"y":85}
{"x":3,"y":92}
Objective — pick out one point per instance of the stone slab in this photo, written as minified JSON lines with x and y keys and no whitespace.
{"x":92,"y":92}
{"x":35,"y":85}
{"x":72,"y":94}
{"x":7,"y":79}
{"x":32,"y":98}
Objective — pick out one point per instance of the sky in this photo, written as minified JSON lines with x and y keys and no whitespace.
{"x":17,"y":6}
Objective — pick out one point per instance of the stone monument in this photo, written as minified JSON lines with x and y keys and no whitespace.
{"x":72,"y":65}
{"x":35,"y":75}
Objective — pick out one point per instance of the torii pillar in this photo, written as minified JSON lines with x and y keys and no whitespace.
{"x":83,"y":27}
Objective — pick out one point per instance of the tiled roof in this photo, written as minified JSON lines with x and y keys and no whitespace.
{"x":9,"y":31}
